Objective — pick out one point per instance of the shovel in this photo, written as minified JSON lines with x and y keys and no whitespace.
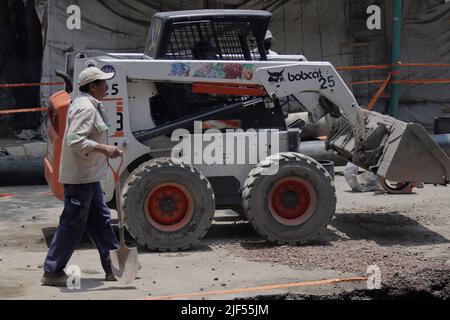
{"x":124,"y":261}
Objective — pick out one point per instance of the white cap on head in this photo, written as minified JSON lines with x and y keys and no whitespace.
{"x":92,"y":74}
{"x":269,"y":35}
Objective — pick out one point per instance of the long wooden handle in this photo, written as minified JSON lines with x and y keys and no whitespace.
{"x":118,"y":191}
{"x":119,"y":213}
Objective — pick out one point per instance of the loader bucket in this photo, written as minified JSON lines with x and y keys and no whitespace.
{"x":407,"y":151}
{"x":414,"y":156}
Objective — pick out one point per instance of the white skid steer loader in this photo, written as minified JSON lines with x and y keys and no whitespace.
{"x":208,"y":68}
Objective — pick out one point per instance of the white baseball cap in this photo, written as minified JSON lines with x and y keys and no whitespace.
{"x":269,"y":35}
{"x":92,"y":74}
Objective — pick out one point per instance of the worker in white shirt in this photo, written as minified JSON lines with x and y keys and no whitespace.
{"x":83,"y":165}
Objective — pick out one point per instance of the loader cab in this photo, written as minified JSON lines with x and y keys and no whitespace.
{"x":208,"y":35}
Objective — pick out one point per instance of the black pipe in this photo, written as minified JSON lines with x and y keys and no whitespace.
{"x":316,"y":150}
{"x":15,"y":172}
{"x":187,"y":121}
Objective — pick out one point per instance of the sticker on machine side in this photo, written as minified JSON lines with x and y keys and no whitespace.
{"x":230,"y":71}
{"x":180,"y":69}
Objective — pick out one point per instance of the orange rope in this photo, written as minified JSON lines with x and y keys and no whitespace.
{"x":366,"y":82}
{"x":22,"y":110}
{"x":424,"y":65}
{"x":378,"y":93}
{"x":260,"y":288}
{"x":37,"y":84}
{"x":405,"y":81}
{"x":368,"y":67}
{"x":419,"y":81}
{"x":388,"y":66}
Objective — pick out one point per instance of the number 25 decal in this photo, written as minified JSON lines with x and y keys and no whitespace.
{"x":326,"y":83}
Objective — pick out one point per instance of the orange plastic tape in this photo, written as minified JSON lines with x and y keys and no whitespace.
{"x":368,"y":67}
{"x":366,"y":82}
{"x":422,"y":81}
{"x":405,"y":81}
{"x":388,"y":66}
{"x":424,"y":65}
{"x":35,"y":84}
{"x":260,"y":288}
{"x":12,"y":111}
{"x":378,"y":93}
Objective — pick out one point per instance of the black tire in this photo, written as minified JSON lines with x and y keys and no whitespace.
{"x":304,"y":187}
{"x":181,"y":189}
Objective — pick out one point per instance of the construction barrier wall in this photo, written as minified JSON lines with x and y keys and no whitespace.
{"x":326,"y":30}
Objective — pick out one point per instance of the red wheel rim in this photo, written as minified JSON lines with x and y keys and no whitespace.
{"x":169,"y":207}
{"x":292,"y":201}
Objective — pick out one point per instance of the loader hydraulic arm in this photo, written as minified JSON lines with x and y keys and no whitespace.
{"x":308,"y":82}
{"x":393,"y":149}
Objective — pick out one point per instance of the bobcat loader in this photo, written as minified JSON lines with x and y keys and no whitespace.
{"x":199,"y":118}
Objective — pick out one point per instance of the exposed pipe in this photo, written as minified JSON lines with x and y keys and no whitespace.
{"x":21,"y":172}
{"x":317,"y":151}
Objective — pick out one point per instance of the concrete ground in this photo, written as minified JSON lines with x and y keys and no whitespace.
{"x":402,"y":234}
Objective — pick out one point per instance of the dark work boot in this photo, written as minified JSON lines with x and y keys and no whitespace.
{"x":56,"y":280}
{"x":110,"y":277}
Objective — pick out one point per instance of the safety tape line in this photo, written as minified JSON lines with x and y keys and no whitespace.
{"x":404,"y":81}
{"x":368,"y":67}
{"x":35,"y":84}
{"x":389,"y":66}
{"x":424,"y":64}
{"x":378,"y":93}
{"x":366,"y":82}
{"x":259,"y":288}
{"x":422,"y":81}
{"x":11,"y":111}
